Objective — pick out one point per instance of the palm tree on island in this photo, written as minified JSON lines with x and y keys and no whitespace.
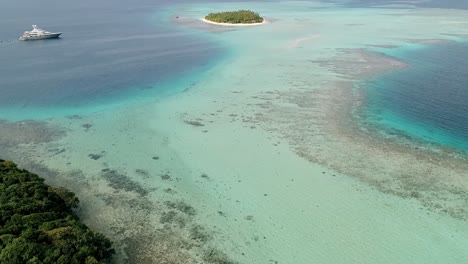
{"x":241,"y":17}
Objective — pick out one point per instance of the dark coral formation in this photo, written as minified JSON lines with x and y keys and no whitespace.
{"x":121,"y":181}
{"x":194,"y":123}
{"x":181,"y":206}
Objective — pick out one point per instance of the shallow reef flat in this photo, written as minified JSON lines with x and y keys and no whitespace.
{"x":267,"y":159}
{"x":143,"y":209}
{"x":388,"y":160}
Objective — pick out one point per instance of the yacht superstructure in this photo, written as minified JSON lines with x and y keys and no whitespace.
{"x":38,"y":33}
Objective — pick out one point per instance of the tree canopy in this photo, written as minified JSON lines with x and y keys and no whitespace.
{"x":38,"y":226}
{"x":235,"y":17}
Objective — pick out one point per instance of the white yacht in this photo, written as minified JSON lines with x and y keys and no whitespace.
{"x":38,"y":33}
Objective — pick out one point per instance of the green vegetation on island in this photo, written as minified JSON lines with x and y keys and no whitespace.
{"x":38,"y":226}
{"x":235,"y":17}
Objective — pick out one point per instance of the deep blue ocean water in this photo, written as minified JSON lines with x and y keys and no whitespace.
{"x":108,"y":49}
{"x":427,"y":100}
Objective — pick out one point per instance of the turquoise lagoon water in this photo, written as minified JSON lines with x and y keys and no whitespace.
{"x":399,"y":4}
{"x":259,"y":201}
{"x":427,"y":99}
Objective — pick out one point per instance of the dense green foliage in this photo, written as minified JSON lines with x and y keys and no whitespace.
{"x":38,"y":226}
{"x":235,"y":17}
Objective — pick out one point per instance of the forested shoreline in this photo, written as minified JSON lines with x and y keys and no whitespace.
{"x":38,"y":224}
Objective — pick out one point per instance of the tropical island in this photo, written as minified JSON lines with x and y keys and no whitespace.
{"x":38,"y":225}
{"x":241,"y":17}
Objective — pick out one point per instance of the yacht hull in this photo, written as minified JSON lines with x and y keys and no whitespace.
{"x":48,"y":36}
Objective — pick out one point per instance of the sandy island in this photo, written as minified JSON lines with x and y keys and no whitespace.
{"x":235,"y":25}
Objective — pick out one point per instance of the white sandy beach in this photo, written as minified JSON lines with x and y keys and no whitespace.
{"x":235,"y":25}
